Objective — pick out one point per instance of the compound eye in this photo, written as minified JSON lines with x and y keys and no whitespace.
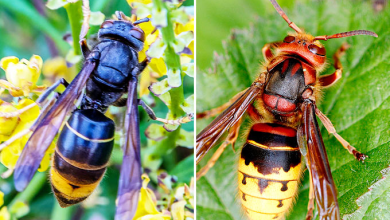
{"x":289,"y":39}
{"x":107,"y":24}
{"x":320,"y":51}
{"x":137,"y":33}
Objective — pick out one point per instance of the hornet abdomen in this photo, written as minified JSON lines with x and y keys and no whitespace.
{"x":269,"y":171}
{"x":83,"y":149}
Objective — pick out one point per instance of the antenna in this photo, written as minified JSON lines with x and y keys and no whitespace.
{"x":121,"y":16}
{"x":284,"y":16}
{"x":346,"y":34}
{"x":141,"y":21}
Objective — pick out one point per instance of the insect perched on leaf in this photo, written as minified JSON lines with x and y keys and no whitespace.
{"x":281,"y":105}
{"x":86,"y":140}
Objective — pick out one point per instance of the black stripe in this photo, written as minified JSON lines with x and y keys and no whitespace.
{"x":83,"y":151}
{"x":272,"y":140}
{"x":64,"y":202}
{"x":75,"y":174}
{"x":269,"y":161}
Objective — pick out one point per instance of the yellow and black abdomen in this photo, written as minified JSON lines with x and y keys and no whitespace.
{"x":82,"y":152}
{"x":269,"y":171}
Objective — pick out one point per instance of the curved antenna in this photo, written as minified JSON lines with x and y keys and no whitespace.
{"x":121,"y":16}
{"x":141,"y":21}
{"x":118,"y":15}
{"x":346,"y":34}
{"x":284,"y":16}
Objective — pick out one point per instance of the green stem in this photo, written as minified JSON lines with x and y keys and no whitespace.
{"x":172,"y":61}
{"x":75,"y":15}
{"x":62,"y":213}
{"x":22,"y":8}
{"x":31,"y":191}
{"x":167,"y":144}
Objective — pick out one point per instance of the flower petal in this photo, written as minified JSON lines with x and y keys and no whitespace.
{"x":97,"y":18}
{"x":155,"y":132}
{"x":188,"y":68}
{"x":188,"y":105}
{"x":159,"y":17}
{"x":174,"y":78}
{"x":160,"y":87}
{"x":7,"y":60}
{"x":156,"y":50}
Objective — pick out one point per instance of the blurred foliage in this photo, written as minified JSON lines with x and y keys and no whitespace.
{"x":52,"y":33}
{"x":358,"y":105}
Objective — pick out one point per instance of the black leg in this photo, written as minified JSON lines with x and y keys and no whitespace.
{"x":84,"y":48}
{"x":148,"y":109}
{"x":49,"y":90}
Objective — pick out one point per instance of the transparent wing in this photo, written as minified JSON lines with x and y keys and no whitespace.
{"x":207,"y":138}
{"x":130,"y":177}
{"x":47,"y":128}
{"x":312,"y":145}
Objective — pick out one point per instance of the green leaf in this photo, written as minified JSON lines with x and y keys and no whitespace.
{"x":184,"y":170}
{"x":358,"y":105}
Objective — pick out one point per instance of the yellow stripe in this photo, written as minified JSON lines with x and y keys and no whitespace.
{"x":272,"y":180}
{"x":84,"y":166}
{"x":63,"y":185}
{"x":88,"y":139}
{"x":262,"y":212}
{"x":283,"y":148}
{"x":256,"y":197}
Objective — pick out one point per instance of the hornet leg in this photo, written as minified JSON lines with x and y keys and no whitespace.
{"x":329,"y":126}
{"x":230,"y":139}
{"x":331,"y":79}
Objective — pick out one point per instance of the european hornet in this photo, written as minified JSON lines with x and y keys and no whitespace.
{"x":85,"y":143}
{"x":281,"y":105}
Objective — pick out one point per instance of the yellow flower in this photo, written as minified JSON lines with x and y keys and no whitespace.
{"x":7,"y":125}
{"x":1,"y":198}
{"x":4,"y":214}
{"x":158,"y":65}
{"x":139,"y":1}
{"x":23,"y":74}
{"x":55,"y":68}
{"x":191,"y":47}
{"x":147,"y":209}
{"x":179,"y":28}
{"x":10,"y":154}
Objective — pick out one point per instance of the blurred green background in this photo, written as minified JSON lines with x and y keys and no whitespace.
{"x":215,"y":20}
{"x":27,"y":28}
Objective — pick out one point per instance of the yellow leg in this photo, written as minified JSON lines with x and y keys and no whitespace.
{"x":230,"y":139}
{"x":330,"y":128}
{"x":310,"y":206}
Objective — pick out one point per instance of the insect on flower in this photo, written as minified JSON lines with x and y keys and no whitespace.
{"x":86,"y":140}
{"x":281,"y":104}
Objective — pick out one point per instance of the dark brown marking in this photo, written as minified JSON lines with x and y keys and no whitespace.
{"x":244,"y":178}
{"x":283,"y":182}
{"x":280,"y":204}
{"x":269,"y":161}
{"x":276,"y":216}
{"x":74,"y":186}
{"x":263,"y":184}
{"x":243,"y":196}
{"x":284,"y":187}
